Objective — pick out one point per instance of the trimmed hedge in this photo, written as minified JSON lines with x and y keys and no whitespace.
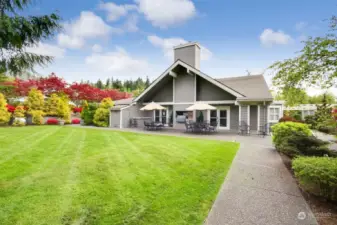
{"x":317,"y":175}
{"x":283,"y":131}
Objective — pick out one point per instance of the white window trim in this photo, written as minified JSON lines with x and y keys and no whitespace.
{"x":258,"y":117}
{"x":279,"y":116}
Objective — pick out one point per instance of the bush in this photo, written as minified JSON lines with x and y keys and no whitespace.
{"x":52,"y":105}
{"x":52,"y":121}
{"x":311,"y":120}
{"x":283,"y":131}
{"x":327,"y":129}
{"x":37,"y":117}
{"x":5,"y":116}
{"x":10,"y":108}
{"x":88,"y":113}
{"x":77,"y":110}
{"x":317,"y":175}
{"x":18,"y":123}
{"x":19,"y":111}
{"x":101,"y":117}
{"x":76,"y":121}
{"x":300,"y":144}
{"x":35,"y":100}
{"x":287,"y":119}
{"x":64,"y":110}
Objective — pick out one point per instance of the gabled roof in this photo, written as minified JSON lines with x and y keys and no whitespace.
{"x":194,"y":70}
{"x":126,"y":101}
{"x":252,"y":86}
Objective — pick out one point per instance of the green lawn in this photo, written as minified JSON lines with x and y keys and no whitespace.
{"x":68,"y":175}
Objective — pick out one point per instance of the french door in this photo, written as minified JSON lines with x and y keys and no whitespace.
{"x":220,"y":117}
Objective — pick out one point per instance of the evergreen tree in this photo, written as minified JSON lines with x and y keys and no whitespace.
{"x":99,"y":84}
{"x":18,"y":32}
{"x":147,"y":82}
{"x":107,"y":84}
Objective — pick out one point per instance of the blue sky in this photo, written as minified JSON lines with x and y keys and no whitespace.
{"x":133,"y":38}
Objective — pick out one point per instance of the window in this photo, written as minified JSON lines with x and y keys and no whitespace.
{"x":274,"y":114}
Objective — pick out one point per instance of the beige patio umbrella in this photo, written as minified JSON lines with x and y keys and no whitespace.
{"x":200,"y":106}
{"x":152,"y":106}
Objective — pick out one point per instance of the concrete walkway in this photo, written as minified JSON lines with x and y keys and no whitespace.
{"x":258,"y":188}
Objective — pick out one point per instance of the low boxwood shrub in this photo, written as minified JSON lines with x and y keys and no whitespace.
{"x":18,"y":123}
{"x":52,"y":121}
{"x":76,"y":121}
{"x":317,"y":175}
{"x":283,"y":131}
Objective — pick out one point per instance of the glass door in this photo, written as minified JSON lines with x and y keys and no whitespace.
{"x":163,"y":116}
{"x":223,"y":118}
{"x":213,"y":118}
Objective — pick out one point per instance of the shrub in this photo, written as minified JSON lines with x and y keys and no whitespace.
{"x":101,"y":117}
{"x":287,"y":119}
{"x":52,"y":121}
{"x":5,"y":116}
{"x":283,"y":131}
{"x":311,"y":120}
{"x":52,"y":105}
{"x":64,"y":109}
{"x":37,"y":117}
{"x":300,"y":144}
{"x":77,"y":109}
{"x":35,"y":100}
{"x":19,"y":111}
{"x":317,"y":175}
{"x":88,"y":113}
{"x":327,"y":129}
{"x":106,"y":103}
{"x":18,"y":123}
{"x":10,"y":108}
{"x":76,"y":121}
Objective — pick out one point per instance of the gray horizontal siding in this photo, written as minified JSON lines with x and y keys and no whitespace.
{"x":115,"y":119}
{"x":206,"y":91}
{"x":184,"y":88}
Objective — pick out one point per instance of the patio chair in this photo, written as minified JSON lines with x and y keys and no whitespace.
{"x":244,"y":128}
{"x":212,"y":127}
{"x":189,"y":126}
{"x":146,"y":125}
{"x":263,"y":130}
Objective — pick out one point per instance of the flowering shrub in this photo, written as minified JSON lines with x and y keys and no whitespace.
{"x":76,"y":121}
{"x":287,"y":119}
{"x":10,"y":108}
{"x":52,"y":121}
{"x":77,"y":109}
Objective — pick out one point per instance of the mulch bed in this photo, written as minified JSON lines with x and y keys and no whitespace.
{"x":324,"y":211}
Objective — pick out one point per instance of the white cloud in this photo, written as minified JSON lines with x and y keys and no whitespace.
{"x":117,"y":61}
{"x":96,"y":48}
{"x":116,"y":11}
{"x":165,"y":13}
{"x":70,"y":42}
{"x":47,"y":50}
{"x":167,"y":44}
{"x":270,"y":38}
{"x":87,"y":26}
{"x":131,"y":23}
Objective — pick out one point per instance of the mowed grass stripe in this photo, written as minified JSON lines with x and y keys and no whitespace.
{"x":92,"y":176}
